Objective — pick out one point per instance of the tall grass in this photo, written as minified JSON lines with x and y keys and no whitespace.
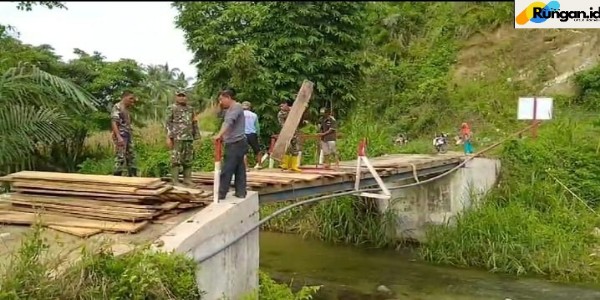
{"x":349,"y":220}
{"x":531,"y":224}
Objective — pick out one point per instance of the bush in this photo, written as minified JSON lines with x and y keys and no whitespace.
{"x":271,"y":290}
{"x":141,"y":274}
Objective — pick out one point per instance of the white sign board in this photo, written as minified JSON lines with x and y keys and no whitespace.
{"x":543,"y":108}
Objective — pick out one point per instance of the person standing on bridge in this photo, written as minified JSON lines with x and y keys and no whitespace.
{"x":291,"y":159}
{"x":466,"y":135}
{"x":122,"y":135}
{"x":328,"y":137}
{"x":182,"y":130}
{"x":233,"y":136}
{"x":252,"y":130}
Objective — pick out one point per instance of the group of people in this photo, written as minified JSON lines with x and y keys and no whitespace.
{"x":239,"y":132}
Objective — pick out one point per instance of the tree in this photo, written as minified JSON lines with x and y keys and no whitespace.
{"x":161,"y":83}
{"x":28,"y":5}
{"x":266,"y":49}
{"x":34,"y":111}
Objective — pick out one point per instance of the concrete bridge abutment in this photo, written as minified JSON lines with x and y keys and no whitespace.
{"x":439,"y":202}
{"x":233,"y":272}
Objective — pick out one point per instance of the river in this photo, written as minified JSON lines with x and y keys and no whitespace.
{"x":352,"y":273}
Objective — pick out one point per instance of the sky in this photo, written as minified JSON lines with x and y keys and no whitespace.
{"x":144,"y":31}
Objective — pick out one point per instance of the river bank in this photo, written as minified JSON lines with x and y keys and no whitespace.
{"x":354,"y":273}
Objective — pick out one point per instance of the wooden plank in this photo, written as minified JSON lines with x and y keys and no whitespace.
{"x":293,"y":120}
{"x":169,"y":206}
{"x":76,"y":231}
{"x":86,"y":178}
{"x":78,"y":202}
{"x":297,"y":176}
{"x":149,"y":192}
{"x":88,"y":188}
{"x":78,"y":213}
{"x":254,"y":177}
{"x":98,"y":196}
{"x":23,"y":218}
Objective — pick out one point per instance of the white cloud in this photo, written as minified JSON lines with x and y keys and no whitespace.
{"x":144,"y":31}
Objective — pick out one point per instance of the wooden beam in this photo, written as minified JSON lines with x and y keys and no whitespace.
{"x":293,"y":120}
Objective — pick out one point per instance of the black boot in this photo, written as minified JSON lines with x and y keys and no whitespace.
{"x":132,"y":172}
{"x":118,"y":173}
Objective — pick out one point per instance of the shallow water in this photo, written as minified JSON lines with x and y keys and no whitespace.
{"x":347,"y":272}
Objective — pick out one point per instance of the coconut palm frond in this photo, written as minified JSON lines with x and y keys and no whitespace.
{"x":24,"y":128}
{"x":27,"y":84}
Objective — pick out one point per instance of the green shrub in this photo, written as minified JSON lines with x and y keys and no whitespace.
{"x":141,"y":274}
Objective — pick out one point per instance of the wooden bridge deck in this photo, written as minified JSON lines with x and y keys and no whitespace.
{"x":277,"y":185}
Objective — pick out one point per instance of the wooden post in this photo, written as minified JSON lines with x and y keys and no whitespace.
{"x":293,"y":120}
{"x":534,"y":122}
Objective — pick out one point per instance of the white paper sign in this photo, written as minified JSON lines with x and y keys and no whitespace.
{"x":543,"y":108}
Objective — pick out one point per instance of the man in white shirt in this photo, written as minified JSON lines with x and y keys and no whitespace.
{"x":252,"y":131}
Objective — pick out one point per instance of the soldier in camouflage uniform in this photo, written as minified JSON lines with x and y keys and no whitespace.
{"x":122,"y":135}
{"x":291,"y":159}
{"x":182,"y":130}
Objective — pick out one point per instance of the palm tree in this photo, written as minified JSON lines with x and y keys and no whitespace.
{"x":162,"y":83}
{"x":35,"y":110}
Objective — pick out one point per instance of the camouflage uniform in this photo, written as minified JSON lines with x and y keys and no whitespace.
{"x":183,"y":130}
{"x":294,"y":148}
{"x":125,"y":156}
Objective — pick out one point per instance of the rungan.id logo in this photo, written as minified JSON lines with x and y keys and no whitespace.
{"x":552,"y":15}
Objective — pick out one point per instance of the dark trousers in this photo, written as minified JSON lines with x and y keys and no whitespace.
{"x":233,"y":163}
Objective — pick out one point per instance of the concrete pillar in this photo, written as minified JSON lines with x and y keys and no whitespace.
{"x":233,"y":273}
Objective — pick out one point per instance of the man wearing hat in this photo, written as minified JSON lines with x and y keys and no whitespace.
{"x":182,"y":130}
{"x":252,"y":130}
{"x":291,"y":159}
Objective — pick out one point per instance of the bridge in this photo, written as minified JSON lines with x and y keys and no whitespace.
{"x":223,"y":236}
{"x":275,"y":185}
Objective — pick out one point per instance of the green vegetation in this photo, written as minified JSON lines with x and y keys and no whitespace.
{"x":141,"y":274}
{"x":271,"y":290}
{"x":385,"y":68}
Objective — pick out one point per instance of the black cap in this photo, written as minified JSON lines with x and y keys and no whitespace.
{"x":288,"y":102}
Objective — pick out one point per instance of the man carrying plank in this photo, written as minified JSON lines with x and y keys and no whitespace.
{"x":122,"y":135}
{"x":182,"y":130}
{"x":233,"y":136}
{"x":291,"y":159}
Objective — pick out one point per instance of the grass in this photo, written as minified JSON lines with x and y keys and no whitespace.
{"x":141,"y":274}
{"x":531,"y":224}
{"x":538,"y":230}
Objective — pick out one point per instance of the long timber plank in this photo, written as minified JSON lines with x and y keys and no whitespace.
{"x":293,"y":120}
{"x":86,"y":178}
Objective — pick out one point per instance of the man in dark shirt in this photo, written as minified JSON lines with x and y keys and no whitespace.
{"x":233,"y":136}
{"x":328,"y":135}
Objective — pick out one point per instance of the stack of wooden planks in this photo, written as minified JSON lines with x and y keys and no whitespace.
{"x":85,"y":205}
